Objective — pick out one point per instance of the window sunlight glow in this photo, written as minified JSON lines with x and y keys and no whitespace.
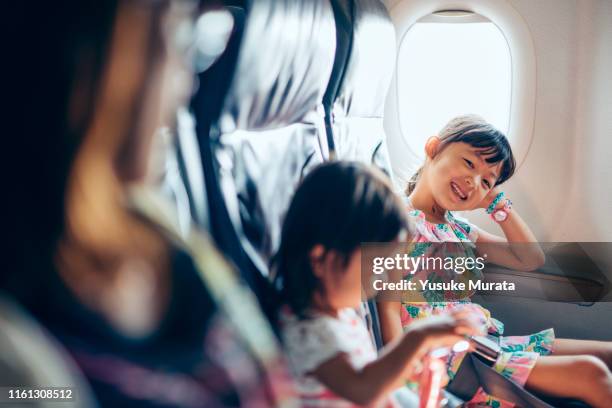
{"x":449,"y":69}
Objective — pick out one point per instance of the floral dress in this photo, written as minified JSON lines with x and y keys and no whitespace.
{"x":519,"y":353}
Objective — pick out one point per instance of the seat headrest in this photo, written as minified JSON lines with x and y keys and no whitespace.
{"x":285,"y":60}
{"x":214,"y":82}
{"x":369,"y":69}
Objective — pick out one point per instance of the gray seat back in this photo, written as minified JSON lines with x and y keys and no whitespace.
{"x":355,"y":99}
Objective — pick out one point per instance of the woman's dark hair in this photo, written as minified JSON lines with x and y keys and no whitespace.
{"x":480,"y":134}
{"x":338,"y":205}
{"x":59,"y":51}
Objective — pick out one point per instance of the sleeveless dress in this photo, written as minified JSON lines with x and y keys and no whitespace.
{"x":519,"y":353}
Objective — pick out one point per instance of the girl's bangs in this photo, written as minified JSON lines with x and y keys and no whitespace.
{"x":495,"y":149}
{"x":494,"y":154}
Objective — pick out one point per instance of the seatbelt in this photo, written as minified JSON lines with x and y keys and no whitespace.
{"x":474,"y":373}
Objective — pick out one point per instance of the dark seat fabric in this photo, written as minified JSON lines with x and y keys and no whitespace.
{"x":355,"y":98}
{"x":259,"y":124}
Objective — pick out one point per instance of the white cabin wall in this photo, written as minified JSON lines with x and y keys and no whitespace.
{"x":562,"y":188}
{"x":540,"y":183}
{"x":590,"y":207}
{"x":570,"y":155}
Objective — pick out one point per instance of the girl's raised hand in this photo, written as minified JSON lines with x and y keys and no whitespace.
{"x":488,"y":199}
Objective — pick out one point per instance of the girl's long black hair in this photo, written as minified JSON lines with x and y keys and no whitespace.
{"x":338,"y":205}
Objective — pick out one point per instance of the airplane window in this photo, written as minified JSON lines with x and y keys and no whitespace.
{"x":450,"y":65}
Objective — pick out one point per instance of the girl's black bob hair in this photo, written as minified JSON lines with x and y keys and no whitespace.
{"x":339,"y":205}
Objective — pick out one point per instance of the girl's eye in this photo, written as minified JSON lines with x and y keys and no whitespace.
{"x":486,"y":183}
{"x":469,"y":163}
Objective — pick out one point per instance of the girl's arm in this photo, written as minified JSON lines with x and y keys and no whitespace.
{"x":518,"y":250}
{"x":380,"y":377}
{"x":389,"y":315}
{"x":374,"y":381}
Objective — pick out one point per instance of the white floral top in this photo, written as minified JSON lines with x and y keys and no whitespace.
{"x":313,"y":341}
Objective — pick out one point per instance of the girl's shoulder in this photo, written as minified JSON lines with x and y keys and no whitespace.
{"x":455,"y":229}
{"x":313,"y":340}
{"x":465,"y":230}
{"x":319,"y":325}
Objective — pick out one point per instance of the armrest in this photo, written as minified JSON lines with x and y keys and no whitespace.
{"x":569,"y":275}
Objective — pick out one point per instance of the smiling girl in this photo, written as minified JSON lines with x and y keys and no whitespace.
{"x":465,"y":165}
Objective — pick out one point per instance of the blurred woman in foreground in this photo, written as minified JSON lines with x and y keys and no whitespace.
{"x":96,"y":81}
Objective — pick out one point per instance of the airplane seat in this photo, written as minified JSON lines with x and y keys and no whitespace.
{"x":212,"y":84}
{"x":355,"y":98}
{"x":179,"y":160}
{"x":259,"y":125}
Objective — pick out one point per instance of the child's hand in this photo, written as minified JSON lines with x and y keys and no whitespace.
{"x":446,"y":330}
{"x":488,"y":199}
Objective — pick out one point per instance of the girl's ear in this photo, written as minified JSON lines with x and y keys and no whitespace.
{"x":317,"y":259}
{"x":431,"y":146}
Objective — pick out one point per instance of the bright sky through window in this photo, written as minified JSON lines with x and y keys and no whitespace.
{"x":449,"y":69}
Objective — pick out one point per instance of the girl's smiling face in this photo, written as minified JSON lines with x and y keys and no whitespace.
{"x":458,"y":175}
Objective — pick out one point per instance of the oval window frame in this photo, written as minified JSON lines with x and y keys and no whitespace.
{"x":453,"y":17}
{"x":523,"y":73}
